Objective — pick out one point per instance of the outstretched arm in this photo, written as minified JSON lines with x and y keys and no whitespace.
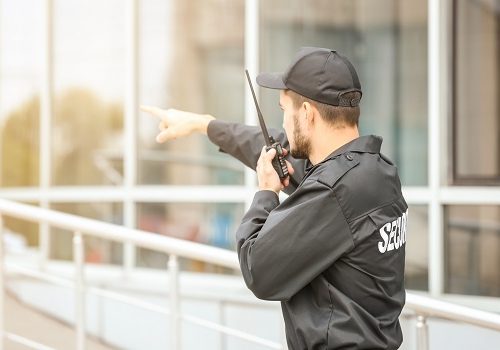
{"x":240,"y":141}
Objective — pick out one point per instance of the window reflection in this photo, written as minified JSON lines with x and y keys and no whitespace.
{"x":212,"y":224}
{"x":387,"y":43}
{"x":477,"y":92}
{"x":20,"y":46}
{"x":417,"y":256}
{"x":192,"y":59}
{"x":472,"y":250}
{"x":85,"y":140}
{"x":89,"y":80}
{"x":19,"y":157}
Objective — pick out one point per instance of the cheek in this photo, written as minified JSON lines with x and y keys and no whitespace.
{"x":288,"y":124}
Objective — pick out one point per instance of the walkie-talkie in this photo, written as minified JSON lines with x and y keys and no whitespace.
{"x":278,"y":162}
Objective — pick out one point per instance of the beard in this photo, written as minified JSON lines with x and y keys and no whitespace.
{"x":302,"y":145}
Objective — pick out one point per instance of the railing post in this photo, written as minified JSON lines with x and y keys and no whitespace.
{"x":222,"y":322}
{"x":422,"y":334}
{"x":2,"y":285}
{"x":45,"y":128}
{"x":78,"y":258}
{"x":130,"y":126}
{"x":175,"y":327}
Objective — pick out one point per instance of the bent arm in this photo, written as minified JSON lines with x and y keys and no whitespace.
{"x":283,"y":247}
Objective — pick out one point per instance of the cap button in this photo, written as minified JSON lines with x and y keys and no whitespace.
{"x":349,"y":157}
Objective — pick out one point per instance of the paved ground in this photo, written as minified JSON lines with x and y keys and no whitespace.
{"x":28,"y":323}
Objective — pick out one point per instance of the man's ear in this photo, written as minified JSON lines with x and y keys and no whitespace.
{"x":309,"y":112}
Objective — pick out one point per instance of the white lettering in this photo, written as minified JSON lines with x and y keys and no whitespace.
{"x":403,"y":228}
{"x":391,"y":237}
{"x":382,"y":246}
{"x":393,"y":234}
{"x":397,"y":237}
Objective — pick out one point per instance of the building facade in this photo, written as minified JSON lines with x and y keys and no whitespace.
{"x":73,"y":73}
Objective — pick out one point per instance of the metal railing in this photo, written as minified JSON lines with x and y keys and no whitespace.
{"x":424,"y":307}
{"x":421,"y":306}
{"x":86,"y":227}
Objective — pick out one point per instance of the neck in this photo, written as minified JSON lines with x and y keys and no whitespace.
{"x":324,"y":143}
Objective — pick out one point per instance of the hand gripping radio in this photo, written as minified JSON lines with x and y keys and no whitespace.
{"x":278,"y":161}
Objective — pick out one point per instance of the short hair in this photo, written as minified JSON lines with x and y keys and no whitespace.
{"x":335,"y":115}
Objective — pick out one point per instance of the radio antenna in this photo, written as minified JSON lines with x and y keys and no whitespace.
{"x":261,"y":118}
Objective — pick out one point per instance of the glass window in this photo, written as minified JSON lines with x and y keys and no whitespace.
{"x":477,"y":92}
{"x":417,"y":257}
{"x":472,"y":236}
{"x":96,"y":250}
{"x":89,"y":80}
{"x":387,"y":43}
{"x":20,"y":47}
{"x":191,"y":58}
{"x":212,"y":224}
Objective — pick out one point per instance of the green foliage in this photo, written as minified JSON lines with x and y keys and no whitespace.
{"x":82,"y":125}
{"x":20,"y":146}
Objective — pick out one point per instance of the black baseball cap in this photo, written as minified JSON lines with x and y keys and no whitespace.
{"x":320,"y":74}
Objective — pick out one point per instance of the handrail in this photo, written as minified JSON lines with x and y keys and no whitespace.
{"x":63,"y":282}
{"x":143,"y":239}
{"x":426,"y":306}
{"x":422,"y":306}
{"x":174,"y":247}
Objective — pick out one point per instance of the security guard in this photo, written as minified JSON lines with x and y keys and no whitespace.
{"x":333,"y":252}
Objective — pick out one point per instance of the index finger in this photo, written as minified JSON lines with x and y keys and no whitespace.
{"x":268,"y":154}
{"x":152,"y":110}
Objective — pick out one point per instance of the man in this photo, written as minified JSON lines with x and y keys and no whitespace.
{"x":333,"y":252}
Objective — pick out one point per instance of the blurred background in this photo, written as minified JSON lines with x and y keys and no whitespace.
{"x":72,"y":74}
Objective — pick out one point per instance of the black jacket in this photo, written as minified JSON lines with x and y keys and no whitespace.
{"x":333,"y":252}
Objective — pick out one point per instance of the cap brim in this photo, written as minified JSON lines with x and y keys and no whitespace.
{"x":271,"y":80}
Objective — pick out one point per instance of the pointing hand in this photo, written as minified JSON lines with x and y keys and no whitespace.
{"x":175,"y":123}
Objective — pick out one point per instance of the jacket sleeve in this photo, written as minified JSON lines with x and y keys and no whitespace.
{"x":283,"y":247}
{"x":245,"y":143}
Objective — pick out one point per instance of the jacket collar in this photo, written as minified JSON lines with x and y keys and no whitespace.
{"x":363,"y":144}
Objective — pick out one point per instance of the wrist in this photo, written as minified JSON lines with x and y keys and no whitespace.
{"x":203,"y":125}
{"x":270,"y":189}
